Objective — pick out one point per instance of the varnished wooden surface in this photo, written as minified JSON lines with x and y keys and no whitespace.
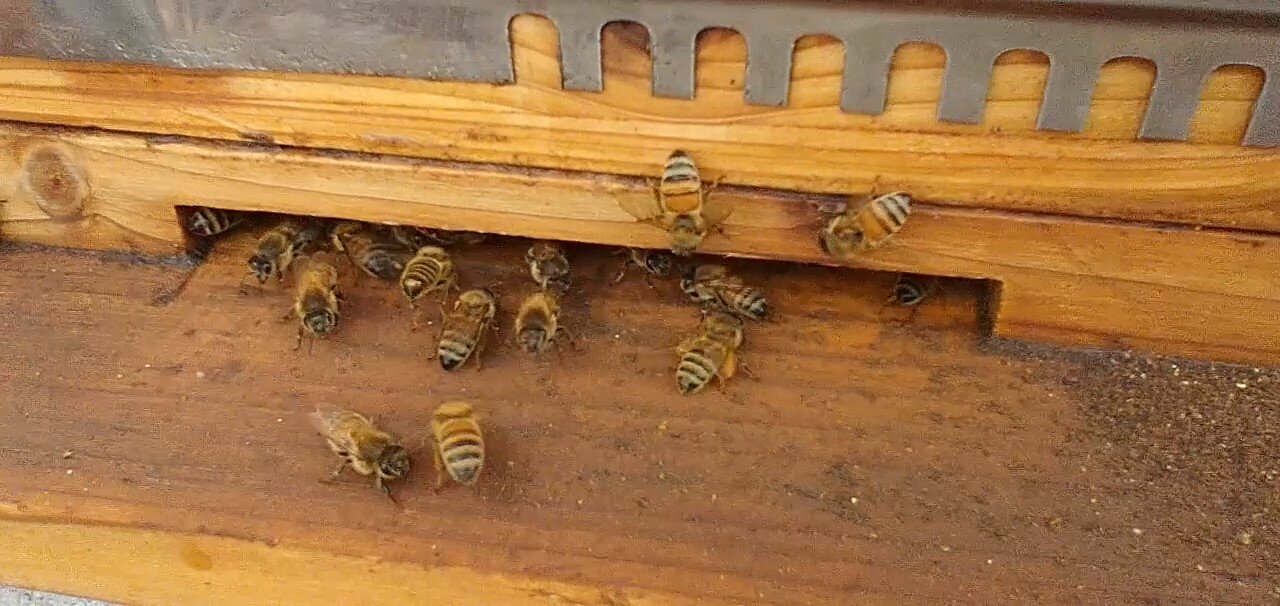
{"x":155,"y":451}
{"x":808,"y":145}
{"x":1200,"y":293}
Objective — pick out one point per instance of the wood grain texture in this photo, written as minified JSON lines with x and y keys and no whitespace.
{"x":808,"y":146}
{"x":193,"y":471}
{"x":1170,"y":289}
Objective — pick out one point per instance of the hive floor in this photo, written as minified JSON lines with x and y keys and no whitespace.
{"x":871,"y":462}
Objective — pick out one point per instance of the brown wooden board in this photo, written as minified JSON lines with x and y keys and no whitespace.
{"x":155,"y":451}
{"x":809,"y":145}
{"x":1206,"y":293}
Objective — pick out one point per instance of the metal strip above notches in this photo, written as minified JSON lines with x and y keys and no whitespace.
{"x":469,"y":41}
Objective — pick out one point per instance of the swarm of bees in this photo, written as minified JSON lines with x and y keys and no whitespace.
{"x":420,"y":261}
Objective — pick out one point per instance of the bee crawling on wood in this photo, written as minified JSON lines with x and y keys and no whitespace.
{"x":279,"y":246}
{"x":853,"y":231}
{"x":316,"y":304}
{"x":681,"y":205}
{"x":548,"y":265}
{"x":465,"y":330}
{"x":205,"y":222}
{"x":459,"y":451}
{"x":371,"y":249}
{"x":712,"y":353}
{"x":431,"y":269}
{"x":712,"y":286}
{"x":910,"y":291}
{"x":654,"y":263}
{"x":538,"y":322}
{"x":362,"y":447}
{"x":416,"y":237}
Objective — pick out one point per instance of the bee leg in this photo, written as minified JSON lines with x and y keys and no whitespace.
{"x":712,"y":184}
{"x":441,"y":477}
{"x":333,"y":475}
{"x":746,"y":370}
{"x":298,"y":344}
{"x":621,"y":273}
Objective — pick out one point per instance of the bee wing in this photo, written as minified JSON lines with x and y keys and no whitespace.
{"x":323,"y":418}
{"x":644,"y":207}
{"x":716,"y":209}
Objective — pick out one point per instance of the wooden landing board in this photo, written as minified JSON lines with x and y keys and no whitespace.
{"x":159,"y":453}
{"x":807,"y":146}
{"x":1189,"y":292}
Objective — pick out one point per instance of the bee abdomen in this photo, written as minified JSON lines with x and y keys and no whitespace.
{"x":753,"y":304}
{"x":680,"y":174}
{"x":908,"y":294}
{"x":890,"y":213}
{"x":694,"y":372}
{"x":463,"y":455}
{"x":210,"y":221}
{"x":454,"y":349}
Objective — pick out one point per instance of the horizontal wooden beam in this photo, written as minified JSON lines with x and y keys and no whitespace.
{"x":1170,"y":289}
{"x":808,"y":145}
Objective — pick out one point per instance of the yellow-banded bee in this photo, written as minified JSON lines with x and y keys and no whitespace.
{"x":362,"y":446}
{"x":538,"y":322}
{"x":204,"y":221}
{"x":277,"y":248}
{"x":910,"y":291}
{"x":465,"y":329}
{"x":459,"y":451}
{"x":548,"y":265}
{"x":371,"y":249}
{"x":681,"y":205}
{"x":654,"y":263}
{"x":430,"y":269}
{"x":870,"y":226}
{"x":713,"y":353}
{"x":316,"y":304}
{"x":712,"y":285}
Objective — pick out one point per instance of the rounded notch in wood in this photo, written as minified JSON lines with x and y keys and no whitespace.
{"x":55,"y":181}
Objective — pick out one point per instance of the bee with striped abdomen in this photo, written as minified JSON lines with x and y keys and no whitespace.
{"x":316,"y":304}
{"x":204,"y":221}
{"x":430,"y":269}
{"x":548,"y":265}
{"x":681,"y":205}
{"x":459,"y":451}
{"x":712,"y":353}
{"x":538,"y":322}
{"x":371,"y":249}
{"x":362,"y":446}
{"x":277,"y":248}
{"x":910,"y":291}
{"x":712,"y":285}
{"x":868,"y":227}
{"x":654,"y":263}
{"x":465,"y":330}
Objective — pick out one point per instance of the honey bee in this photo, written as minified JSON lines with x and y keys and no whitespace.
{"x":655,"y":263}
{"x":362,"y":446}
{"x":868,"y":227}
{"x":548,"y":265}
{"x":417,"y":237}
{"x":713,"y":353}
{"x":538,"y":322}
{"x":459,"y":452}
{"x":713,"y":286}
{"x":371,"y":249}
{"x":316,"y":305}
{"x":429,"y":270}
{"x":464,"y":331}
{"x":681,"y":205}
{"x":204,"y":221}
{"x":277,"y":248}
{"x":910,"y":291}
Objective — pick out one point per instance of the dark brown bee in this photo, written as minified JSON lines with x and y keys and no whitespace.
{"x":711,"y":354}
{"x":654,"y":263}
{"x":429,"y":270}
{"x":277,"y":248}
{"x":870,"y":226}
{"x":459,"y":452}
{"x":538,"y":322}
{"x":417,"y":237}
{"x":910,"y":291}
{"x":371,"y":249}
{"x":465,"y":330}
{"x":681,"y":205}
{"x":712,"y":286}
{"x":316,"y":305}
{"x":362,"y":446}
{"x":548,"y":265}
{"x":204,"y":221}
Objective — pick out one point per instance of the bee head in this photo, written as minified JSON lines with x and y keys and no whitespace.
{"x":394,"y":462}
{"x":533,"y":339}
{"x":659,"y":264}
{"x":384,"y":267}
{"x":320,"y":322}
{"x":262,"y":267}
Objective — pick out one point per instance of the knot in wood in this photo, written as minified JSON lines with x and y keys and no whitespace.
{"x":55,"y":183}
